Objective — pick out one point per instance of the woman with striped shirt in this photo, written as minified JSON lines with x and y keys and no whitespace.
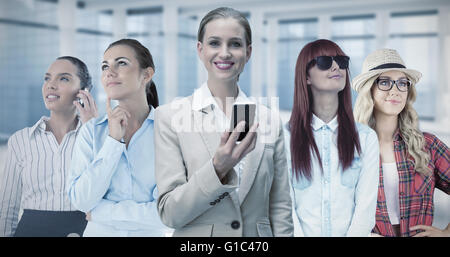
{"x":38,"y":158}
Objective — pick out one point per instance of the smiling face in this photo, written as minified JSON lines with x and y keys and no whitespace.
{"x":331,"y":80}
{"x":61,"y":85}
{"x":390,"y":102}
{"x":223,"y":50}
{"x":121,"y":73}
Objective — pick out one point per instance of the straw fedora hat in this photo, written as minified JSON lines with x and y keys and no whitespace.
{"x":380,"y":61}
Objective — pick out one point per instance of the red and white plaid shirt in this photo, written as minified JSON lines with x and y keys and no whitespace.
{"x":415,"y":190}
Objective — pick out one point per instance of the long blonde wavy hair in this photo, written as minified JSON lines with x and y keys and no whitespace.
{"x":408,"y":123}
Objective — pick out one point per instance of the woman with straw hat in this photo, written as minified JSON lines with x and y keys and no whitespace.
{"x":412,"y":163}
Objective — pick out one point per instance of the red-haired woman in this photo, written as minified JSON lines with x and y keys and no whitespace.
{"x":334,"y":159}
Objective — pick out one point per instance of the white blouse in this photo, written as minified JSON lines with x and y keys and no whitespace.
{"x":390,"y":179}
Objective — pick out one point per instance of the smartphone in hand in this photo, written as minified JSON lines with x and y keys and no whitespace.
{"x":243,"y":111}
{"x":80,"y":101}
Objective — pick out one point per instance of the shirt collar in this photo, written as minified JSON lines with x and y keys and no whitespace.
{"x":398,"y":135}
{"x":151,"y":116}
{"x":42,"y":125}
{"x":202,"y":98}
{"x":317,"y":123}
{"x":101,"y":119}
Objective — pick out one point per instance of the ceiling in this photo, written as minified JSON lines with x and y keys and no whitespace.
{"x":277,"y":9}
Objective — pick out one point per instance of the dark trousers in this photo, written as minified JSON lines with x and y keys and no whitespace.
{"x":36,"y":223}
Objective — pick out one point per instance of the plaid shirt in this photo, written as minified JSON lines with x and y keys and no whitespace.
{"x":415,"y":190}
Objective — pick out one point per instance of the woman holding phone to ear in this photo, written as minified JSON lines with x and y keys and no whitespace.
{"x":112,"y":178}
{"x":38,"y":158}
{"x":209,"y":184}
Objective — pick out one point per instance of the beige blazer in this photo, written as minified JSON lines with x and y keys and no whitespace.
{"x":192,"y":199}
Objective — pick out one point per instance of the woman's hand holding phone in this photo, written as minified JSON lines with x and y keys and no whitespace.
{"x":88,"y":109}
{"x":228,"y":154}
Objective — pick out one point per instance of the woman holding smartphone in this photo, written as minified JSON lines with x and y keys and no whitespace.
{"x":38,"y":158}
{"x":334,"y":159}
{"x":112,"y":178}
{"x":209,"y":184}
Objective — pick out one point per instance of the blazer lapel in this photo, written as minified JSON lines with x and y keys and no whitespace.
{"x":250,"y":169}
{"x":204,"y":124}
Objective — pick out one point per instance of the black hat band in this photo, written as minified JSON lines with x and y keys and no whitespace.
{"x":388,"y":65}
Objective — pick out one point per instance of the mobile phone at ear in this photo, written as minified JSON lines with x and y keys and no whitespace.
{"x":243,"y":111}
{"x":80,"y":101}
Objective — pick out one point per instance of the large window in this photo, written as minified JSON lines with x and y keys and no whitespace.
{"x":414,"y":35}
{"x":355,"y":35}
{"x":293,"y":36}
{"x":145,"y":25}
{"x":187,"y":56}
{"x":29,"y":43}
{"x":94,"y":34}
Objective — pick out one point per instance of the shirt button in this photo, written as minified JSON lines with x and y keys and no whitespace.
{"x":235,"y":224}
{"x":212,"y":203}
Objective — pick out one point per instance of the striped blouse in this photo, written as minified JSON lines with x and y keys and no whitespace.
{"x":34,"y":174}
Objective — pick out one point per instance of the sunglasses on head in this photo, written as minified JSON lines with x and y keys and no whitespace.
{"x":325,"y":62}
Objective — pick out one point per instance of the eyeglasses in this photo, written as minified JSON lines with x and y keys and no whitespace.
{"x":325,"y":62}
{"x":387,"y":84}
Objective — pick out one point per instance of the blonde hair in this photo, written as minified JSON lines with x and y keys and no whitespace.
{"x":408,"y":123}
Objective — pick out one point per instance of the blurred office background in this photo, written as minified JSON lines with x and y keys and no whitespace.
{"x":35,"y":32}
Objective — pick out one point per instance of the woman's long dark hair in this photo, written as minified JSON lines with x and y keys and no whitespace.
{"x":145,"y":60}
{"x":302,"y":139}
{"x":82,"y":73}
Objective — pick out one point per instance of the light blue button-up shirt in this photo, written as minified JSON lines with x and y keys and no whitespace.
{"x":336,"y":203}
{"x":117,"y":185}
